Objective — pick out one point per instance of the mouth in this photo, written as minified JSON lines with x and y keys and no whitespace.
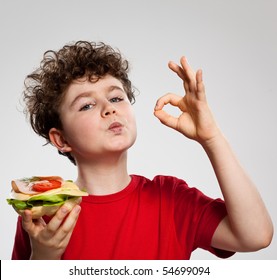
{"x":116,"y":127}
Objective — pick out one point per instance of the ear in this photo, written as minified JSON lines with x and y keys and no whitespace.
{"x":58,"y":140}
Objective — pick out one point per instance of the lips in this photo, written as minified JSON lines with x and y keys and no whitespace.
{"x":116,"y":127}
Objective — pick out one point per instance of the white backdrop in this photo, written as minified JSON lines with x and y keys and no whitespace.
{"x":234,"y":42}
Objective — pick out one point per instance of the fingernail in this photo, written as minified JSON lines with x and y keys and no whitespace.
{"x":64,"y":210}
{"x":26,"y":213}
{"x":185,"y":59}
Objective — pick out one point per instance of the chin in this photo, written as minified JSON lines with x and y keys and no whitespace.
{"x":121,"y":148}
{"x":118,"y":145}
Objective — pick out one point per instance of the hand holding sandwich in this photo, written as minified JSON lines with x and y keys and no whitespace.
{"x":36,"y":197}
{"x":49,"y":241}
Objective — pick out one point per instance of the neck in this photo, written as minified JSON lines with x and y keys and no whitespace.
{"x":104,"y":176}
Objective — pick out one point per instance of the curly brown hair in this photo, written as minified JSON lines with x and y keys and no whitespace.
{"x":45,"y":87}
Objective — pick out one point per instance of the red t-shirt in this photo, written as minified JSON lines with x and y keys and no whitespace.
{"x":161,"y":218}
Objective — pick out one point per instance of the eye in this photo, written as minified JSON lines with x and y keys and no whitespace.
{"x":116,"y":99}
{"x":87,"y":107}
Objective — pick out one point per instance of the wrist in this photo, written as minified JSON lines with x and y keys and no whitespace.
{"x":213,"y":143}
{"x":44,"y":256}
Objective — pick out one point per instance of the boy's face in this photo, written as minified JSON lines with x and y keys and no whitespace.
{"x":97,"y":118}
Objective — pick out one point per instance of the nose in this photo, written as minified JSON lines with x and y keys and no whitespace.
{"x":108,"y":110}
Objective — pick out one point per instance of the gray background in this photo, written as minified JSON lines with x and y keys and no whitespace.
{"x":235,"y":44}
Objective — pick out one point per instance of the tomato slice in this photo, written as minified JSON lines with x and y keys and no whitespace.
{"x":46,"y":186}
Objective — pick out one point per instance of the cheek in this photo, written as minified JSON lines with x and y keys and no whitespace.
{"x":78,"y":129}
{"x":132,"y":123}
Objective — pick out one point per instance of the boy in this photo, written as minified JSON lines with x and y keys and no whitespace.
{"x":79,"y":100}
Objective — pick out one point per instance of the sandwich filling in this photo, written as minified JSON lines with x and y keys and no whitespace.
{"x":53,"y":197}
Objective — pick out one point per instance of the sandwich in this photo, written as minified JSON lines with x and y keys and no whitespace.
{"x":44,"y":195}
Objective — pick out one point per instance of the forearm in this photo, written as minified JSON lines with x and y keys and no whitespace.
{"x":248,"y":217}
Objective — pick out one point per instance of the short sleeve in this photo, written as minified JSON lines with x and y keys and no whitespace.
{"x":196,"y":218}
{"x":21,"y":248}
{"x":213,"y":214}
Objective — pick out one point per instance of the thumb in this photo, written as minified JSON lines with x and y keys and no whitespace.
{"x":166,"y":118}
{"x":29,"y":224}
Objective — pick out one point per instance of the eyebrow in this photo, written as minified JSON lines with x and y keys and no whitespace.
{"x":91,"y":92}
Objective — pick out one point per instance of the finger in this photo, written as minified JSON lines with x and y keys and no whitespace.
{"x":189,"y":75}
{"x":185,"y":72}
{"x":71,"y":219}
{"x":200,"y":88}
{"x":177,"y":69}
{"x":163,"y":116}
{"x":68,"y":225}
{"x":169,"y":98}
{"x":188,"y":71}
{"x":66,"y":208}
{"x":29,"y":224}
{"x":57,"y":220}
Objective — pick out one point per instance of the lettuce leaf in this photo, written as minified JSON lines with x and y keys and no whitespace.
{"x":41,"y":200}
{"x":18,"y":204}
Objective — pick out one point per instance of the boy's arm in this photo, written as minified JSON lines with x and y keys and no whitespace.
{"x":247,"y":226}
